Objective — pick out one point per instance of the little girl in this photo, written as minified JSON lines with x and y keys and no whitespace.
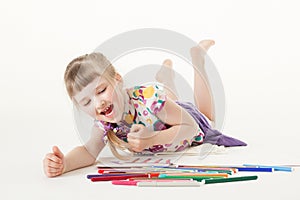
{"x":146,"y":118}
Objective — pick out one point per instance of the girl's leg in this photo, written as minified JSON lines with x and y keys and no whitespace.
{"x":166,"y":76}
{"x":202,"y":94}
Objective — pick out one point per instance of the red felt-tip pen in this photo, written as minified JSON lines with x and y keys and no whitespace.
{"x":123,"y":177}
{"x":110,"y":178}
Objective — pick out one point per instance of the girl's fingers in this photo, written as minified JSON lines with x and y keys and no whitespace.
{"x":54,"y":158}
{"x":132,"y":141}
{"x":53,"y":170}
{"x":140,"y":131}
{"x":54,"y":165}
{"x":135,"y":145}
{"x":136,"y":149}
{"x":50,"y":164}
{"x":136,"y":135}
{"x":132,"y":135}
{"x":136,"y":127}
{"x":131,"y":145}
{"x":57,"y":152}
{"x":53,"y":174}
{"x":50,"y":172}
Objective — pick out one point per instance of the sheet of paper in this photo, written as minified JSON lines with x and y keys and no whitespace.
{"x":161,"y":159}
{"x":136,"y":161}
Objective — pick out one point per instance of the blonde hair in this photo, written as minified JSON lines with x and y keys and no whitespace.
{"x":83,"y":70}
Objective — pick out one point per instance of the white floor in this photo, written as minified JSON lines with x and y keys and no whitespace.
{"x":27,"y":181}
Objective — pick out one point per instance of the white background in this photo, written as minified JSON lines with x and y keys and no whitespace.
{"x":256,"y":54}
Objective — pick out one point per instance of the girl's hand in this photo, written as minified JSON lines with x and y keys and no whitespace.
{"x":54,"y":163}
{"x":140,"y":137}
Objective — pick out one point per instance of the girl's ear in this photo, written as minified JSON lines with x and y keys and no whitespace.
{"x":118,"y":77}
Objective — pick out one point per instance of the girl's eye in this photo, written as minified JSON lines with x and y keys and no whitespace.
{"x":87,"y":103}
{"x":101,"y":91}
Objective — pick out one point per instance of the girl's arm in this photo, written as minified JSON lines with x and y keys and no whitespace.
{"x":183,"y":127}
{"x":85,"y":155}
{"x":56,"y":163}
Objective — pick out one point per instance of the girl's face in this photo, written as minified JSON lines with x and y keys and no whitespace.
{"x":102,"y":99}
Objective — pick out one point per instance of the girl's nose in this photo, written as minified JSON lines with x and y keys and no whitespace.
{"x":100,"y":106}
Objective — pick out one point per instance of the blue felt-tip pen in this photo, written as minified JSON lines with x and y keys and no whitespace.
{"x":276,"y":168}
{"x":254,"y":169}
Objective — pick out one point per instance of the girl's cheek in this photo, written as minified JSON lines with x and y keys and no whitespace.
{"x":92,"y":112}
{"x":89,"y":111}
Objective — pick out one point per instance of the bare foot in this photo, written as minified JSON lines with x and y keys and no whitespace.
{"x":166,"y":76}
{"x":198,"y":52}
{"x":166,"y":73}
{"x":201,"y":48}
{"x":206,"y":44}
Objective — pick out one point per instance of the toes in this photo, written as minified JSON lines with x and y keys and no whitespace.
{"x":168,"y":63}
{"x":205,"y":44}
{"x":197,"y":52}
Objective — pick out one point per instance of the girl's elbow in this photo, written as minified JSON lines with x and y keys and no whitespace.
{"x":92,"y":162}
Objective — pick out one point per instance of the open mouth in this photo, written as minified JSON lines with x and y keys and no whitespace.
{"x":108,"y":110}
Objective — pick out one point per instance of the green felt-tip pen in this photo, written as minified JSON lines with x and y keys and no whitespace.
{"x":231,"y":179}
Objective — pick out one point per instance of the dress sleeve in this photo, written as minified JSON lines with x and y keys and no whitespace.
{"x":152,"y":96}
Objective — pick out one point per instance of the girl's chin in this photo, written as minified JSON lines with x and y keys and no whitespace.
{"x":113,"y":119}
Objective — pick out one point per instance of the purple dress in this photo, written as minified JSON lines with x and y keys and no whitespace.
{"x":211,"y":136}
